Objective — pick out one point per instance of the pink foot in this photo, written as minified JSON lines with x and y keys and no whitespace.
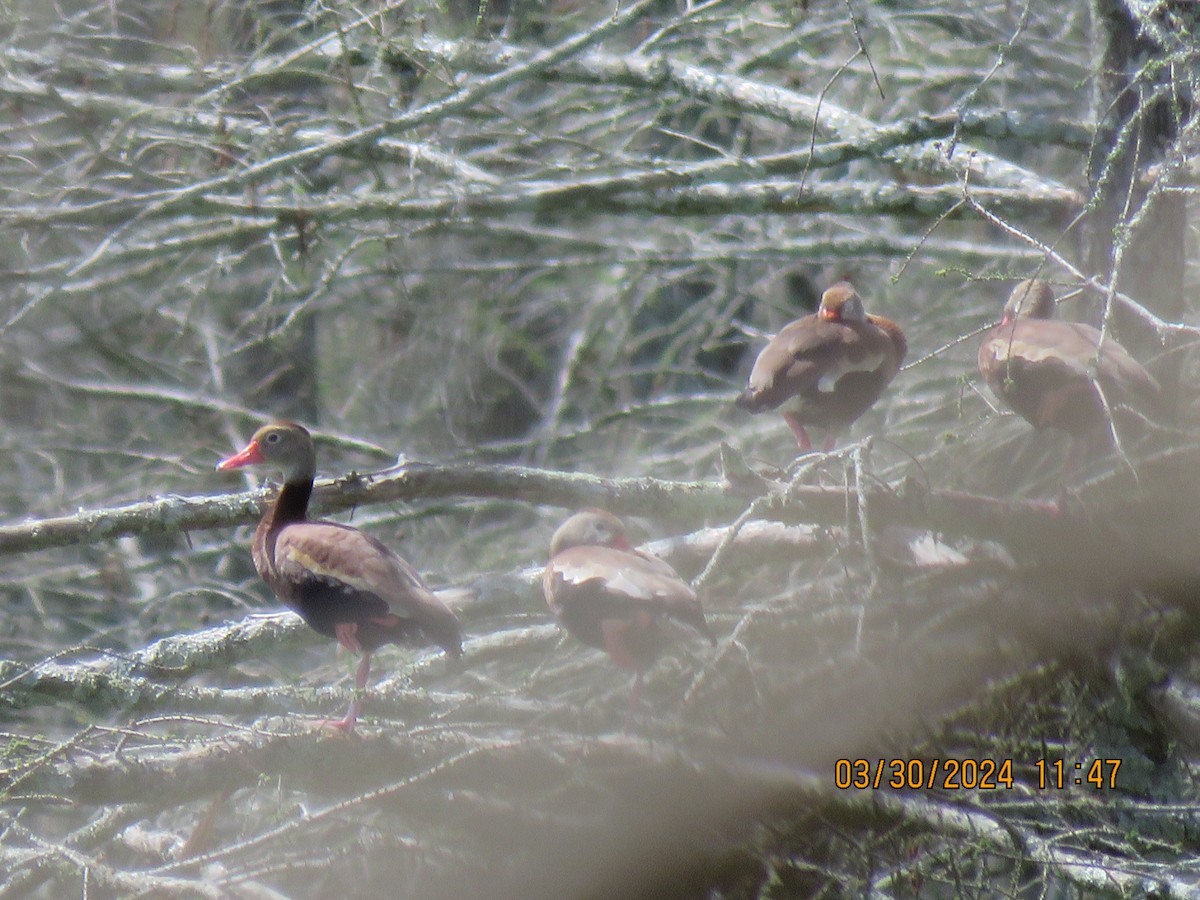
{"x":346,"y":723}
{"x":344,"y":726}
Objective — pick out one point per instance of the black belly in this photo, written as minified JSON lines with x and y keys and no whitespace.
{"x":1049,"y":396}
{"x":852,"y":396}
{"x":583,"y":609}
{"x":324,"y":606}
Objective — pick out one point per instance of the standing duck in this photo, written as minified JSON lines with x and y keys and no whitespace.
{"x":345,"y":584}
{"x":616,"y":598}
{"x":826,"y":369}
{"x":1056,"y":374}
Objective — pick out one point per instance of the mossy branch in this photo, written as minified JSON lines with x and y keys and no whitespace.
{"x":1034,"y":532}
{"x":687,"y":501}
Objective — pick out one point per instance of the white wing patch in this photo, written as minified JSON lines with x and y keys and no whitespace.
{"x":1002,"y":349}
{"x":614,"y":579}
{"x":827,"y":384}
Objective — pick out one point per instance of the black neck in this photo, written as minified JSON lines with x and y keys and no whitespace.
{"x":292,"y":503}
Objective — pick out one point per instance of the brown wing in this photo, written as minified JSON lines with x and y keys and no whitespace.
{"x":793,"y":362}
{"x":1120,"y":370}
{"x":334,"y":573}
{"x":895,"y":334}
{"x":810,"y":358}
{"x":587,"y":585}
{"x":1043,"y":370}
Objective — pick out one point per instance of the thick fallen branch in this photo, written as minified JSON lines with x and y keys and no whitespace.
{"x":1031,"y":531}
{"x":603,"y":195}
{"x":127,"y":682}
{"x":610,"y":195}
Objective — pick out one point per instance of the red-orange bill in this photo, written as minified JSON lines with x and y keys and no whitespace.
{"x":252,"y":454}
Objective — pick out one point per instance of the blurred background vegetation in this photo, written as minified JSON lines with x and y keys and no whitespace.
{"x":554,"y":234}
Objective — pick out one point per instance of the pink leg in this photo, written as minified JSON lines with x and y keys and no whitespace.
{"x":830,"y":443}
{"x":798,"y":431}
{"x":346,"y":634}
{"x":363,"y":672}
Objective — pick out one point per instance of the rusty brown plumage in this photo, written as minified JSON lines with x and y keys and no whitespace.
{"x":827,"y":369}
{"x":343,"y":582}
{"x":1052,"y":373}
{"x":611,"y":596}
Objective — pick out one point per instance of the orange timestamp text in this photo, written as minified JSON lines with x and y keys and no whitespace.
{"x":970,"y":774}
{"x":928,"y":774}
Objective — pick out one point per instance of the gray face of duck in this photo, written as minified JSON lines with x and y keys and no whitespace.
{"x":590,"y":528}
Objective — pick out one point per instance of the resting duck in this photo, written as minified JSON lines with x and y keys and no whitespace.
{"x":826,"y":369}
{"x":345,"y":584}
{"x":616,"y":598}
{"x":1048,"y":371}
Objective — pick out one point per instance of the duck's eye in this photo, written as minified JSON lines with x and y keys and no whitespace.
{"x":273,"y":437}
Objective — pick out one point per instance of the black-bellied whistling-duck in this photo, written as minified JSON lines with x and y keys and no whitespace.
{"x":826,"y":369}
{"x":1056,"y":374}
{"x":614,"y":597}
{"x":344,"y":583}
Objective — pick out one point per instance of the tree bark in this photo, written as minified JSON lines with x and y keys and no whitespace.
{"x":1136,"y":233}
